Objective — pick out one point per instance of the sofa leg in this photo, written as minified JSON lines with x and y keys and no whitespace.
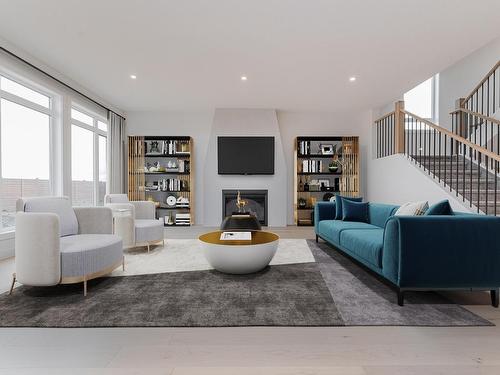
{"x":148,"y":247}
{"x":401,"y":298}
{"x":13,"y":283}
{"x":317,"y":239}
{"x":123,"y":263}
{"x":494,"y":297}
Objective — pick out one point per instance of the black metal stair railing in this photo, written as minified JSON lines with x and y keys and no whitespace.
{"x":484,"y":99}
{"x":469,"y":170}
{"x":385,"y":128}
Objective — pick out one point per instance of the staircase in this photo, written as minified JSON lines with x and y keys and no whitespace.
{"x":464,"y":160}
{"x":475,"y":185}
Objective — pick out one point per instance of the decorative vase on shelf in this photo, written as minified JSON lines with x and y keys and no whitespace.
{"x":301,"y":203}
{"x":333,"y":167}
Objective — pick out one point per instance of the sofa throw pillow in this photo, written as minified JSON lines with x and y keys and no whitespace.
{"x":354,"y":211}
{"x":440,"y":208}
{"x":338,"y":205}
{"x":412,"y":209}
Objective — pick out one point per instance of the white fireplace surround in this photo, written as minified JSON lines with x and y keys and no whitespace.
{"x":245,"y":122}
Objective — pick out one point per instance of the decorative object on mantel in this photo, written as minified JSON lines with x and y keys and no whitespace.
{"x":240,"y":203}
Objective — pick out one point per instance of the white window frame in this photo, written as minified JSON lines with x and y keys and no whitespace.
{"x":94,"y":128}
{"x":52,"y":114}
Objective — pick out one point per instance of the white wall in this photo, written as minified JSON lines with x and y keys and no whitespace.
{"x":195,"y":124}
{"x":205,"y":126}
{"x":459,"y":79}
{"x":245,"y":122}
{"x":395,"y":180}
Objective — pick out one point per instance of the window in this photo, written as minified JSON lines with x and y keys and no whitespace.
{"x":422,"y":99}
{"x":88,"y":158}
{"x":25,"y":146}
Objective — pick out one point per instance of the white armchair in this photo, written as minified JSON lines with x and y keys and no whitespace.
{"x":58,"y":244}
{"x":146,"y":230}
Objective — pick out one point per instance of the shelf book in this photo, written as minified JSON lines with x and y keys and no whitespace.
{"x":324,"y":167}
{"x":160,"y":169}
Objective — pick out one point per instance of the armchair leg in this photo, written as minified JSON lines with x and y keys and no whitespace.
{"x":148,"y":247}
{"x":401,"y":298}
{"x":85,"y":287}
{"x":494,"y":297}
{"x":317,"y":238}
{"x":163,"y":242}
{"x":13,"y":282}
{"x":123,"y":263}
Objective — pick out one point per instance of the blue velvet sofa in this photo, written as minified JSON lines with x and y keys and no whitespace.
{"x":417,"y":253}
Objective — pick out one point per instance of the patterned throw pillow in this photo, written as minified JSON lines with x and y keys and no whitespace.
{"x":412,"y":209}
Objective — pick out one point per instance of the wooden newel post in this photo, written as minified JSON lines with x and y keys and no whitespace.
{"x":399,"y":129}
{"x":461,"y":118}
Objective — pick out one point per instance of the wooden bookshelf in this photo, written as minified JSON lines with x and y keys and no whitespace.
{"x":162,"y":167}
{"x":313,"y":177}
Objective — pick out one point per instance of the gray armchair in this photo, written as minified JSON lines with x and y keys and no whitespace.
{"x":146,"y":230}
{"x":58,"y":244}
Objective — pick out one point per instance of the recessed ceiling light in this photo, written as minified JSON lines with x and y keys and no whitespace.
{"x":133,"y":76}
{"x":244,"y":78}
{"x":352,"y":79}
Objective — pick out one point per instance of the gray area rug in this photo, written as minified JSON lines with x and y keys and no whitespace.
{"x":364,"y":300}
{"x":287,"y":295}
{"x":334,"y":291}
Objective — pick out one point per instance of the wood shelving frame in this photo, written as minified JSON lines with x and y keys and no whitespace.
{"x":349,"y":177}
{"x":138,"y":177}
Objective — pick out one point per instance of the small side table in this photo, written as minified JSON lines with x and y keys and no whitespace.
{"x":123,"y":226}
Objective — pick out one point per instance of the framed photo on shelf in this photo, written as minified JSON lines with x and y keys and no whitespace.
{"x":324,"y":182}
{"x":326,"y":149}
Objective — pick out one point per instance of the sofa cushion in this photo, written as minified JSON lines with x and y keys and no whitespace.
{"x":333,"y":228}
{"x":354,"y":211}
{"x":148,"y":230}
{"x":440,"y":208}
{"x":412,"y":209}
{"x":378,"y":213}
{"x":338,"y":205}
{"x":68,"y":224}
{"x":365,"y":243}
{"x":85,"y":254}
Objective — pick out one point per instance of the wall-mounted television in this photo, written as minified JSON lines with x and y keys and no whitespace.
{"x":245,"y":155}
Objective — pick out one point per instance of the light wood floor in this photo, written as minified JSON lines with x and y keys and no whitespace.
{"x":258,"y":351}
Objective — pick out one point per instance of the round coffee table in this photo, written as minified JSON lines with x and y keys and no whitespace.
{"x":239,"y":257}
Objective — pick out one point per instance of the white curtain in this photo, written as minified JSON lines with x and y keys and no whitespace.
{"x":116,"y":154}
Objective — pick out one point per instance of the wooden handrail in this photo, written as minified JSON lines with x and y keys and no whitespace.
{"x":384,"y":117}
{"x":483,"y":81}
{"x":476,"y":114}
{"x":458,"y":138}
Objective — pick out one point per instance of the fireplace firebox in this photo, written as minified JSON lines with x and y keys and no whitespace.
{"x":256,"y":203}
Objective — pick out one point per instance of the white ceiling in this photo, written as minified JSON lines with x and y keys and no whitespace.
{"x":297,"y":54}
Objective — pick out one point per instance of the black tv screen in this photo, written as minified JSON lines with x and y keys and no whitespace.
{"x":245,"y":155}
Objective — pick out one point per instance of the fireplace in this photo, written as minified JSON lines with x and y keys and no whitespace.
{"x":256,"y":203}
